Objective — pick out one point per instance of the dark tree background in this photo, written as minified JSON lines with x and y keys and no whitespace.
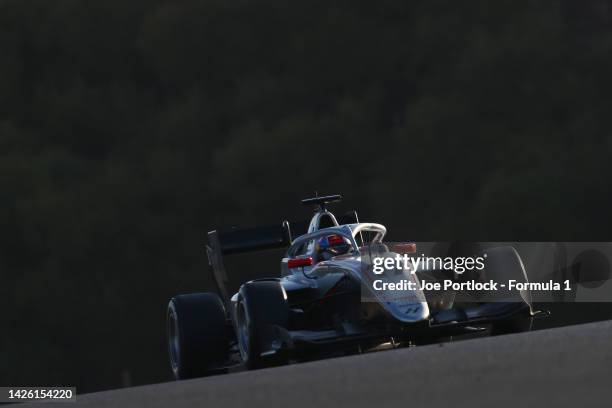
{"x":130,"y":128}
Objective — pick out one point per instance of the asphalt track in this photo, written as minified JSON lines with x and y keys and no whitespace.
{"x":561,"y":367}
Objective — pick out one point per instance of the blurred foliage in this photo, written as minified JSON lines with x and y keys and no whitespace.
{"x":129,"y":128}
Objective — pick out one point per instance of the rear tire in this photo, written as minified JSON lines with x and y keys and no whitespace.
{"x":262,"y":305}
{"x":197,"y":334}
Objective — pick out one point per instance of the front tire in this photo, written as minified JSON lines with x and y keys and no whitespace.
{"x":261,"y":308}
{"x":197,"y":334}
{"x":518,"y":323}
{"x":504,"y":264}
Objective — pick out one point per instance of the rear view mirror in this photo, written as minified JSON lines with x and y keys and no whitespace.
{"x":299,"y":262}
{"x":404,"y":248}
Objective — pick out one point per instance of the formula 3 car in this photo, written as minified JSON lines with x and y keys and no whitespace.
{"x":323,"y":300}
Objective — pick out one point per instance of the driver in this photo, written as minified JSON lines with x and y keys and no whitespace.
{"x":332,"y":245}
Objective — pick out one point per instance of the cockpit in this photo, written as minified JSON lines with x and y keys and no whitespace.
{"x":332,"y":245}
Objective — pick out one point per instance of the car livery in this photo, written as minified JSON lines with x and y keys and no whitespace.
{"x":323,"y":300}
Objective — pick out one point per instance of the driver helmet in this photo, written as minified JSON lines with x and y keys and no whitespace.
{"x":332,"y":245}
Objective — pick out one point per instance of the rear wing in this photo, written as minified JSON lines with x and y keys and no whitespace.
{"x":236,"y":241}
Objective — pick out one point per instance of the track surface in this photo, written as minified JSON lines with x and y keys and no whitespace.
{"x":561,"y":367}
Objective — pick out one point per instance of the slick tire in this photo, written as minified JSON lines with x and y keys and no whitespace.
{"x":518,"y":323}
{"x":502,"y":265}
{"x":261,"y":308}
{"x":197,"y":334}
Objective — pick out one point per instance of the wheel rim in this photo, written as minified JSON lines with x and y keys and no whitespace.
{"x":243,"y":332}
{"x":173,"y":340}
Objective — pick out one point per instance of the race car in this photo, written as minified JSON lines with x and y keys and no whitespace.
{"x":324,"y":301}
